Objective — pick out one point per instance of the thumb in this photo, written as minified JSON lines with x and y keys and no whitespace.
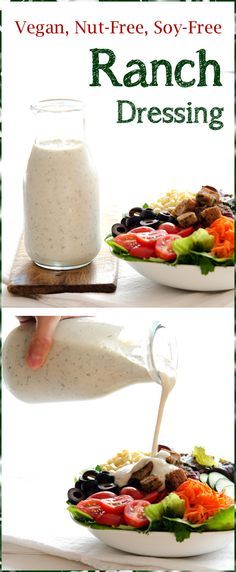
{"x":42,"y":341}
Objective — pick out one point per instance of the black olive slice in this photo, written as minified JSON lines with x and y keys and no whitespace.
{"x":124,"y":221}
{"x":153,"y":223}
{"x":78,"y":484}
{"x":75,"y":495}
{"x":111,"y":487}
{"x":135,"y":211}
{"x":89,"y":487}
{"x":105,"y":477}
{"x":90,"y":475}
{"x":166,"y":217}
{"x":118,"y":228}
{"x":147,"y":214}
{"x":133,"y":221}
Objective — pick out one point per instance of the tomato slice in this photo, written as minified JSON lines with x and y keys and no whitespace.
{"x":133,"y":492}
{"x":156,"y":496}
{"x":169,"y":227}
{"x":152,"y":497}
{"x":103,"y":495}
{"x":163,"y":247}
{"x":116,"y":505}
{"x":162,"y":495}
{"x":92,"y":507}
{"x":110,"y":519}
{"x":186,"y":231}
{"x":134,"y":513}
{"x":127,"y":240}
{"x":150,"y":238}
{"x":142,"y":251}
{"x":141,"y":229}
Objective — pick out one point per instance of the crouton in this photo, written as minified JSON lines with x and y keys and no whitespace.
{"x":174,"y":458}
{"x":198,"y":211}
{"x":144,"y":472}
{"x":210,"y":214}
{"x":175,"y":479}
{"x":185,"y":206}
{"x":151,"y":483}
{"x":187,"y":219}
{"x":208,"y":196}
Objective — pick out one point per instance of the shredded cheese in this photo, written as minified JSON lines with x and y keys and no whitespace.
{"x":123,"y":458}
{"x":169,"y":201}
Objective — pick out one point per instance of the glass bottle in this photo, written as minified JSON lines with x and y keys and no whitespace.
{"x":61,"y":195}
{"x":90,"y":358}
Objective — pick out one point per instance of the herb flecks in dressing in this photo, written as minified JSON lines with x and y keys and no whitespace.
{"x":87,"y":360}
{"x":61,"y":199}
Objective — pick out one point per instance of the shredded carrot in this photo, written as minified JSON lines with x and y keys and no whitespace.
{"x":223,"y":231}
{"x":201,"y":501}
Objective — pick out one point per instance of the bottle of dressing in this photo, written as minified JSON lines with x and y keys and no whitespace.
{"x":61,"y":196}
{"x":89,"y":358}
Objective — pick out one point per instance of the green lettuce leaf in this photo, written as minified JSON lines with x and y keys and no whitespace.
{"x":98,"y":468}
{"x":223,"y":520}
{"x":178,"y":527}
{"x":171,"y":506}
{"x":79,"y":514}
{"x":205,"y":261}
{"x":117,"y":248}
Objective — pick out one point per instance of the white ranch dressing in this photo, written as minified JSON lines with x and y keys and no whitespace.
{"x":61,"y":201}
{"x":88,"y":360}
{"x":160,"y":466}
{"x":167,"y":384}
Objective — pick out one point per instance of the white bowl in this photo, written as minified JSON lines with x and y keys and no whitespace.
{"x":186,"y":277}
{"x":163,"y":543}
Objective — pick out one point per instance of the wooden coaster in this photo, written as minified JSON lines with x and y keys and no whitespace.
{"x":27,"y":279}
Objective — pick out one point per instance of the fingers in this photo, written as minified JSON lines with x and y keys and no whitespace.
{"x":42,"y":341}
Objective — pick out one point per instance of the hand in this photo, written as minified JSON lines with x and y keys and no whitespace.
{"x":42,"y":340}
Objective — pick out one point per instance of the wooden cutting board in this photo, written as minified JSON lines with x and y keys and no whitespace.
{"x":29,"y":280}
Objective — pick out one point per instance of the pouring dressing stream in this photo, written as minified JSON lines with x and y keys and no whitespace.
{"x":167,"y":383}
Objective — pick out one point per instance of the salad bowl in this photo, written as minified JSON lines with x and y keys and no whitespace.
{"x":163,"y":544}
{"x":197,"y":517}
{"x":183,"y":240}
{"x":186,"y":277}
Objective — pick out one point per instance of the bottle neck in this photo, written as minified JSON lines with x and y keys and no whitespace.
{"x":161,"y":352}
{"x":62,"y":127}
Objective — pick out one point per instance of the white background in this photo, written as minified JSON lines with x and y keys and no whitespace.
{"x":135,"y":162}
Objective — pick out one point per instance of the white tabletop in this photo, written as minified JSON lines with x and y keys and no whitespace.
{"x":133,"y":290}
{"x":18,"y":558}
